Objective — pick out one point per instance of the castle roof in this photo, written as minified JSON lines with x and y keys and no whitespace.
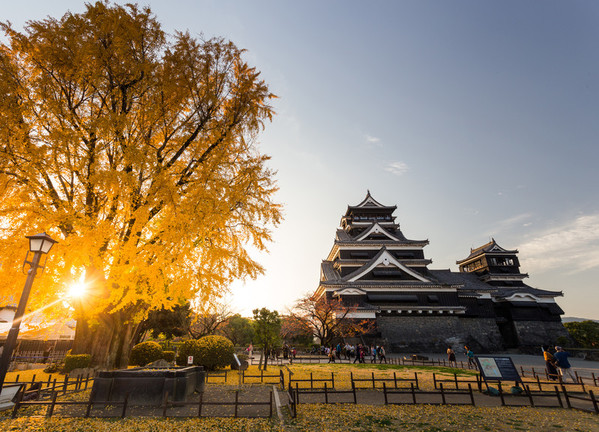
{"x":489,"y":248}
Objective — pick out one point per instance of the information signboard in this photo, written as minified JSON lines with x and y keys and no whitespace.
{"x":189,"y":360}
{"x":498,"y":368}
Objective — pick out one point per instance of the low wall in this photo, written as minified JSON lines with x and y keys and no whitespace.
{"x":148,"y":386}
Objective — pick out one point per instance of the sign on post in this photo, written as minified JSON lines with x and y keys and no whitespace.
{"x":189,"y":360}
{"x":498,"y":369}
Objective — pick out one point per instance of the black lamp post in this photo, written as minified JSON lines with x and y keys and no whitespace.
{"x":39,"y":244}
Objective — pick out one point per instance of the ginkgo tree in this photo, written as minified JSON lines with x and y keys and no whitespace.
{"x":136,"y":150}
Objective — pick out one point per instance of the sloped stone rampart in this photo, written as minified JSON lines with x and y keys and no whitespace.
{"x":436,"y":333}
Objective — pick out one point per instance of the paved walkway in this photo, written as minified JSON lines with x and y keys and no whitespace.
{"x":583,"y":367}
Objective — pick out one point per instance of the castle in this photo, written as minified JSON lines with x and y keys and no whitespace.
{"x":385,"y":277}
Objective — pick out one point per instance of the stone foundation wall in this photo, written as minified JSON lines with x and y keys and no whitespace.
{"x":533,"y":334}
{"x":434,"y":333}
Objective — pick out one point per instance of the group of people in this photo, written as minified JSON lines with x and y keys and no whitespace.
{"x":469,"y":354}
{"x":557,"y":364}
{"x":358,"y":352}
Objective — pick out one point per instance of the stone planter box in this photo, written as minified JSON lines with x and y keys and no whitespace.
{"x":148,"y":386}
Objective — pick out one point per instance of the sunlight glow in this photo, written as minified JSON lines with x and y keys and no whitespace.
{"x":78,"y":289}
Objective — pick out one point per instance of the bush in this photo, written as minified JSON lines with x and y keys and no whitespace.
{"x":144,"y":353}
{"x":169,"y":356}
{"x":212,"y":352}
{"x":76,"y":361}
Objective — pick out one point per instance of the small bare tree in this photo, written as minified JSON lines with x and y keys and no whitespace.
{"x":326,"y":318}
{"x":209,"y":320}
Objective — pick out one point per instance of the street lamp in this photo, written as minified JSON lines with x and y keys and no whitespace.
{"x":39,"y":244}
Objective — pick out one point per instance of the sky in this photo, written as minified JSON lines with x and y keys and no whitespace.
{"x":479,"y":120}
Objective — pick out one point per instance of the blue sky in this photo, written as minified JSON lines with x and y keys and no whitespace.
{"x":478,"y":119}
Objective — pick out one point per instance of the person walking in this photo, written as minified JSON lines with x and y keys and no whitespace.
{"x":550,"y":363}
{"x":357,"y":353}
{"x":470,"y":355}
{"x":382,"y":354}
{"x":564,"y":366}
{"x":451,"y":357}
{"x":331,"y":354}
{"x":372,"y":354}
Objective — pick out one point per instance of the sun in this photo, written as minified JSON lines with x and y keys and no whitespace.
{"x":77,"y":290}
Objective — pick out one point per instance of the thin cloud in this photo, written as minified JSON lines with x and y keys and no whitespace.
{"x":372,"y":140}
{"x":572,"y":247}
{"x":397,"y":168}
{"x":515,"y":220}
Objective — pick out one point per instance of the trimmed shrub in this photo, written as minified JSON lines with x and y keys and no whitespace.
{"x":169,"y":356}
{"x":76,"y":361}
{"x":144,"y":353}
{"x":212,"y":352}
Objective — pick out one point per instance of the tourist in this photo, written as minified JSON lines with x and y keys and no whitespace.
{"x":382,"y":354}
{"x":372,"y":354}
{"x":470,"y":355}
{"x":331,"y":353}
{"x":451,"y":357}
{"x":564,"y":366}
{"x":550,"y":363}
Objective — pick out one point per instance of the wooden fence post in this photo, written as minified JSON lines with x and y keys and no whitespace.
{"x":501,"y":393}
{"x":89,"y":402}
{"x":413,"y":393}
{"x":529,"y":394}
{"x":326,"y":395}
{"x":236,"y":402}
{"x":51,"y":408}
{"x":353,"y":387}
{"x":559,"y":398}
{"x":471,"y":394}
{"x":568,"y":404}
{"x":442,"y":393}
{"x":385,"y":393}
{"x":594,"y":401}
{"x":18,"y":402}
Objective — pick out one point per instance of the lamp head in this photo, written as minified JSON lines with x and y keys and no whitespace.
{"x":40,"y":243}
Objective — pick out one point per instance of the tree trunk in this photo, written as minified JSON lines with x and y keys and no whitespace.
{"x":109,"y":341}
{"x":260,"y":361}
